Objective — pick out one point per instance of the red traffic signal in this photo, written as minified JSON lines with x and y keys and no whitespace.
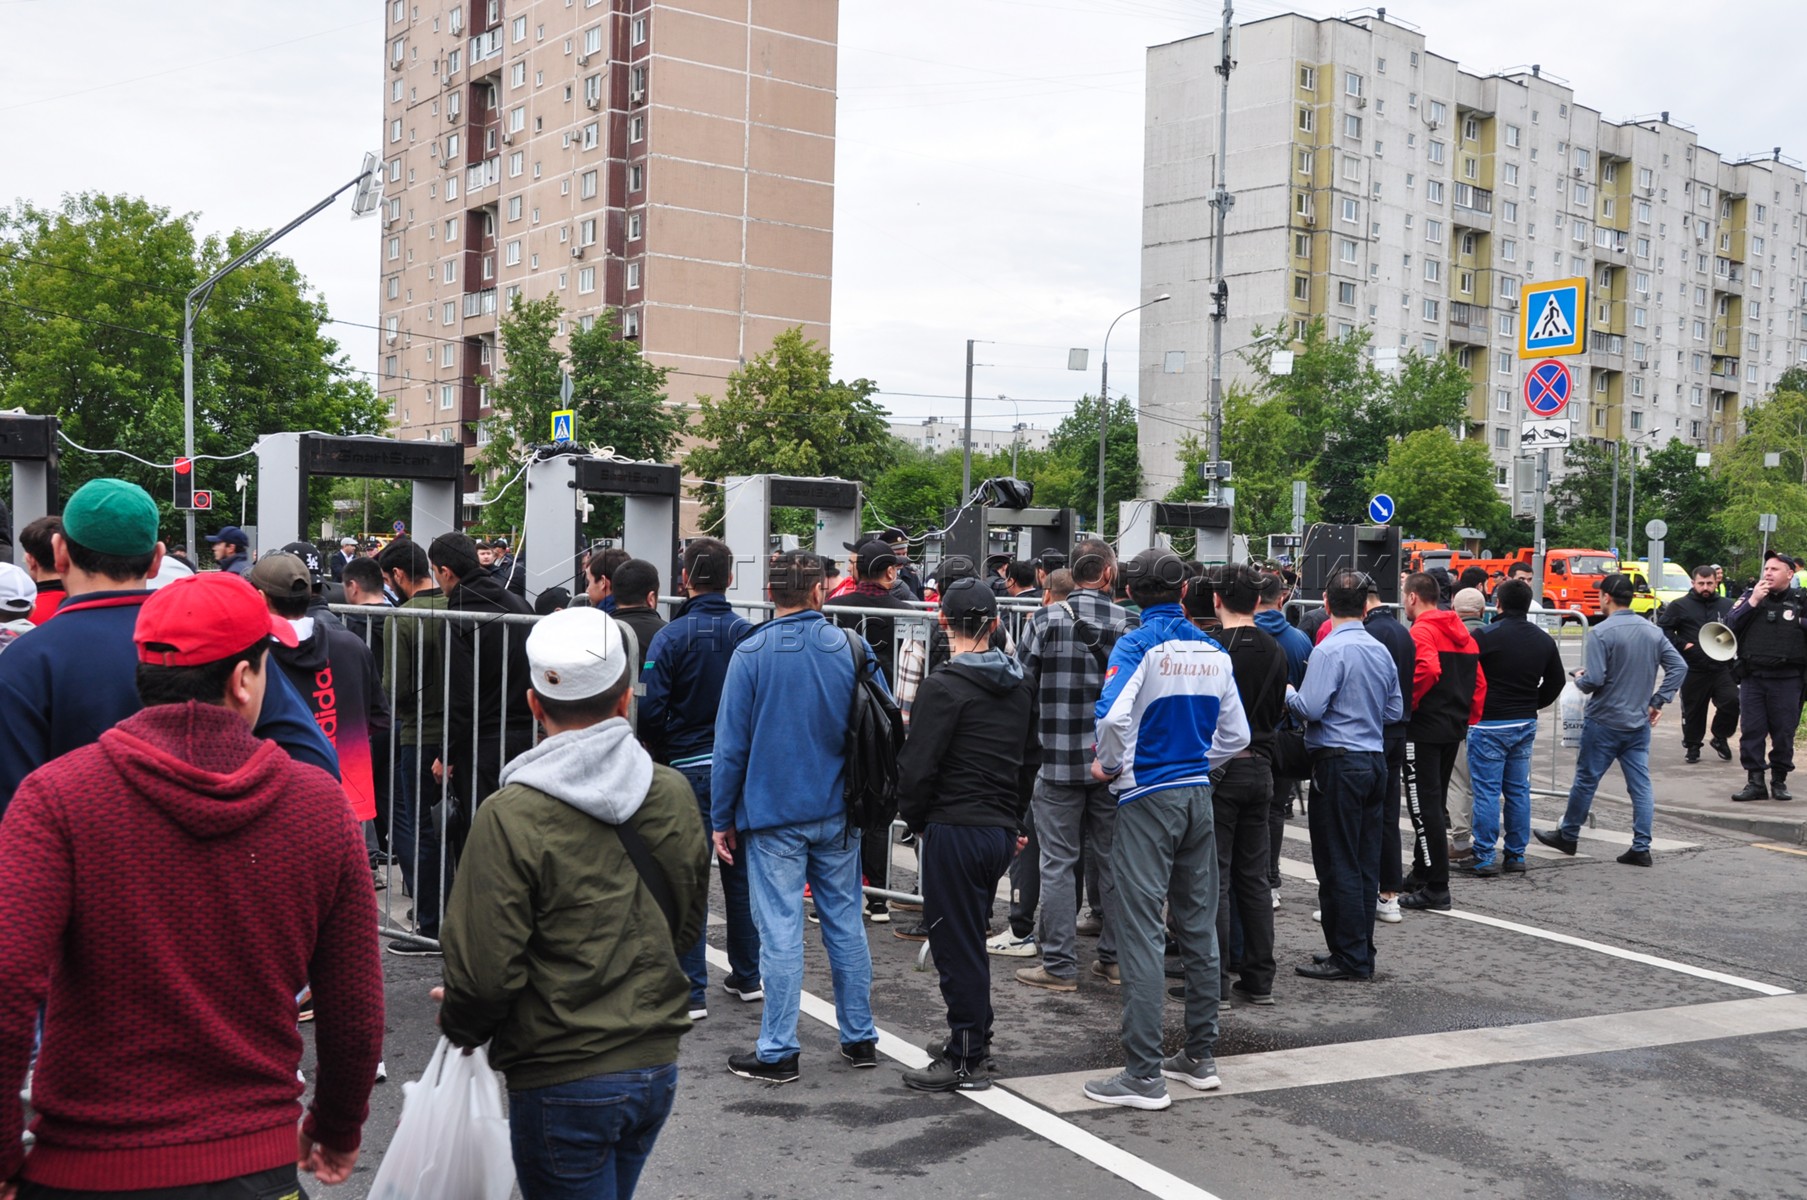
{"x":203,"y":501}
{"x":185,"y":483}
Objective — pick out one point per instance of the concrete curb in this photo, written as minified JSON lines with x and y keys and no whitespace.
{"x":1766,"y":823}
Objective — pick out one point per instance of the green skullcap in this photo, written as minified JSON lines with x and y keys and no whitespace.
{"x":111,"y":516}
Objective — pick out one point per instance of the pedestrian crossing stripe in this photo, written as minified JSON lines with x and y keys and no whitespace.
{"x":1553,"y":318}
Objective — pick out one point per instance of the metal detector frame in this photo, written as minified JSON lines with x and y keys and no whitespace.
{"x":651,"y":492}
{"x":969,"y":530}
{"x":29,"y":444}
{"x":747,"y":524}
{"x":436,"y":469}
{"x":1139,"y":520}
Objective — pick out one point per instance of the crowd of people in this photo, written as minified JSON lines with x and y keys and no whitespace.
{"x":180,"y":746}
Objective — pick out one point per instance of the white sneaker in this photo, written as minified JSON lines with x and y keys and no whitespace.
{"x":1276,"y":892}
{"x":698,"y":1014}
{"x":1317,"y":914}
{"x":1388,"y":911}
{"x":1008,"y":945}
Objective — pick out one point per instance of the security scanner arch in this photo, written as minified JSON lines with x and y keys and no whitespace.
{"x":747,"y":524}
{"x":29,"y":444}
{"x":288,"y":462}
{"x":553,"y":542}
{"x":1139,"y":523}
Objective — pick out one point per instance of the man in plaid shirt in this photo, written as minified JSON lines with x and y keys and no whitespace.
{"x":1064,"y":651}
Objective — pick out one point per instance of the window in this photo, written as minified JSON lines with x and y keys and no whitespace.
{"x":1503,"y":362}
{"x":394,"y":287}
{"x":1643,"y":245}
{"x":395,"y":248}
{"x":1508,"y":250}
{"x":1351,"y":210}
{"x":586,"y":185}
{"x":633,"y":226}
{"x":449,"y":270}
{"x":639,"y":31}
{"x":1465,"y":282}
{"x":445,"y":354}
{"x":448,"y":395}
{"x":517,"y":75}
{"x":516,"y":163}
{"x":1346,"y":250}
{"x":519,"y":29}
{"x":1581,"y":193}
{"x":448,"y":313}
{"x":1308,"y":120}
{"x":511,"y":254}
{"x":1433,"y":191}
{"x":1308,"y":79}
{"x":1431,"y":308}
{"x":1512,"y":136}
{"x":636,"y":129}
{"x":1352,"y":84}
{"x":1433,"y":232}
{"x":1345,"y":293}
{"x":1433,"y":271}
{"x":1756,"y":245}
{"x":1435,"y":151}
{"x":1509,"y":211}
{"x":633,"y":275}
{"x":1507,"y":325}
{"x":1646,"y":177}
{"x":586,"y":232}
{"x":1352,"y":126}
{"x":586,"y":280}
{"x":1302,"y":204}
{"x":1700,"y":330}
{"x":451,"y":229}
{"x":592,"y":133}
{"x":636,"y":178}
{"x":1579,"y":232}
{"x":395,"y":130}
{"x":1499,"y":436}
{"x":1352,"y":167}
{"x":1302,"y":161}
{"x":593,"y":40}
{"x":1439,"y":113}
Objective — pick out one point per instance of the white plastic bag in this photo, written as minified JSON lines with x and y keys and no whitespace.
{"x":1571,"y":709}
{"x":452,"y":1143}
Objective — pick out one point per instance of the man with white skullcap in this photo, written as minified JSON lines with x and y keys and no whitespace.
{"x":582,"y":877}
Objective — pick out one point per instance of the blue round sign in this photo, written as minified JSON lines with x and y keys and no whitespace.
{"x":1381,"y":509}
{"x":1548,"y":387}
{"x":400,"y":528}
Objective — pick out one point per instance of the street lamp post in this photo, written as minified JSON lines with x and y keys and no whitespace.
{"x":369,"y":182}
{"x":1631,"y":500}
{"x":1104,"y":399}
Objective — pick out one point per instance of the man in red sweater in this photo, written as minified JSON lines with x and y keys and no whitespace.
{"x":137,"y":876}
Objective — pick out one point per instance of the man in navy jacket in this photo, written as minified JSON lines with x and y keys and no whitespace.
{"x":686,"y":665}
{"x":778,"y":798}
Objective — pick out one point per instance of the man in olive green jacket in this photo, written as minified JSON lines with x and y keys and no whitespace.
{"x":558,"y":951}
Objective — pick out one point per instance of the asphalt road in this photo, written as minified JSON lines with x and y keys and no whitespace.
{"x":1567,"y":1070}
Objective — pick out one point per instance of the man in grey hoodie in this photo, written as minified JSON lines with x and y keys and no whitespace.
{"x":581,"y":877}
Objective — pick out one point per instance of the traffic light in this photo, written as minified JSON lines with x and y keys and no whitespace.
{"x":185,"y":483}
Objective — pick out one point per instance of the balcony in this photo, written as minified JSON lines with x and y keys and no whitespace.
{"x":485,"y":46}
{"x":1472,"y":208}
{"x":1468,"y":323}
{"x":480,"y":304}
{"x":484,"y":174}
{"x":1607,"y":350}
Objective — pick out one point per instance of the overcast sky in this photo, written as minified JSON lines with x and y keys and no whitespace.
{"x":990,"y":151}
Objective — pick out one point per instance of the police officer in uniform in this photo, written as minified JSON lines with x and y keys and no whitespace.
{"x":1708,"y":678}
{"x":1772,"y":659}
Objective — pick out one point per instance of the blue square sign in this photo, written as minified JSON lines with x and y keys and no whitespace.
{"x":1552,"y":318}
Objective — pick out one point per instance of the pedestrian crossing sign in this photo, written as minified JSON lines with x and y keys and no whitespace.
{"x":1552,"y":318}
{"x":564,"y":425}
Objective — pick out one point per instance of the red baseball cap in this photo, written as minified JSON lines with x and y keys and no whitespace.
{"x":203,"y":619}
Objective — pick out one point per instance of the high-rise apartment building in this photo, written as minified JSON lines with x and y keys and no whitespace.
{"x":1379,"y":185}
{"x":670,"y":159}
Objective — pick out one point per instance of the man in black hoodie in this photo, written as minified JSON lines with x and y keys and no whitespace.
{"x":1709,"y":679}
{"x":487,"y":718}
{"x":964,"y":779}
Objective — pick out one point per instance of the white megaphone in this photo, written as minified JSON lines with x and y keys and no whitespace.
{"x":1718,"y":642}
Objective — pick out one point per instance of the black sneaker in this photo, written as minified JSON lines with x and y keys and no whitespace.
{"x":746,"y":992}
{"x":1721,"y":748}
{"x":911,"y":933}
{"x":749,"y":1066}
{"x":1513,"y":866}
{"x":1636,"y":858}
{"x":1692,"y":756}
{"x":938,"y":1049}
{"x":1554,"y":840}
{"x":943,"y":1076}
{"x":860,"y":1054}
{"x":410,"y":949}
{"x":1426,"y":900}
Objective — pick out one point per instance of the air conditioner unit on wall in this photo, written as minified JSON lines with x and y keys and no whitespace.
{"x":577,"y":252}
{"x":593,"y":103}
{"x":637,"y":96}
{"x":583,"y":60}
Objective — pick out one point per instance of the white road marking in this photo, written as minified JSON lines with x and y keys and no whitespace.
{"x":1383,"y":1058}
{"x":1534,"y":850}
{"x":1068,"y":1136}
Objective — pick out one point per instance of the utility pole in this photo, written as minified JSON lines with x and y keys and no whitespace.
{"x":1537,"y":546}
{"x":966,"y":453}
{"x":1612,"y":522}
{"x":1221,"y":203}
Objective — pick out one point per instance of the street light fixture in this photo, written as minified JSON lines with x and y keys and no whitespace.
{"x":369,"y":182}
{"x":1104,"y":399}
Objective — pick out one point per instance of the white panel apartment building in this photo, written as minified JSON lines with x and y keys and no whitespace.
{"x":935,"y":435}
{"x":1379,"y":185}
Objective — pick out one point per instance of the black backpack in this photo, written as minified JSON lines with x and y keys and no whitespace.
{"x":875,"y":734}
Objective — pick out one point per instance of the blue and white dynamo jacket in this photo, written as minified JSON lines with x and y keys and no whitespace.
{"x":1170,"y":710}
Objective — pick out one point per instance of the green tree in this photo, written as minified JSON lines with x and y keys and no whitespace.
{"x":91,"y":298}
{"x":619,"y":397}
{"x":1777,"y":426}
{"x":783,"y":414}
{"x":1072,"y":478}
{"x":1688,"y":498}
{"x":1578,"y":509}
{"x":523,"y":398}
{"x":1439,"y":483}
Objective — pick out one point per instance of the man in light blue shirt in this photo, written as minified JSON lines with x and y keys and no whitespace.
{"x":1351,"y":691}
{"x":1620,"y":656}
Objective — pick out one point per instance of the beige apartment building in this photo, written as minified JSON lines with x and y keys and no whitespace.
{"x":1379,"y":185}
{"x":671,"y":159}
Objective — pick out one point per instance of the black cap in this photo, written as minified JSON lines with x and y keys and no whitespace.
{"x":968,"y":597}
{"x":1619,"y":587}
{"x":309,"y":554}
{"x":874,"y":557}
{"x":953,"y":567}
{"x":1794,"y":564}
{"x":1051,"y":560}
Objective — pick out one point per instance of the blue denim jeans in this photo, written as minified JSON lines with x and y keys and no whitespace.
{"x":1499,"y":767}
{"x":1600,"y":745}
{"x":589,"y":1139}
{"x":826,"y":855}
{"x":743,"y":935}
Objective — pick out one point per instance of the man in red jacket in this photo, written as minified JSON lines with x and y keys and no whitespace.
{"x":136,"y":877}
{"x":1448,"y":692}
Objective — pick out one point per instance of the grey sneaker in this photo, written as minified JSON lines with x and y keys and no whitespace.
{"x":1199,"y":1073}
{"x":1130,"y":1092}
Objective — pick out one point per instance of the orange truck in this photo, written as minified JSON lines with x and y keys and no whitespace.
{"x":1571,"y":577}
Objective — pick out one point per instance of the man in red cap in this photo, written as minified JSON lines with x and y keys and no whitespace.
{"x":131,"y":871}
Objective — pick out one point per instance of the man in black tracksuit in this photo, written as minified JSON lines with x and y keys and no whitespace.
{"x":1708,"y":679}
{"x":1383,"y":626}
{"x":1240,"y":800}
{"x":964,"y":779}
{"x":1772,"y":658}
{"x":487,"y":718}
